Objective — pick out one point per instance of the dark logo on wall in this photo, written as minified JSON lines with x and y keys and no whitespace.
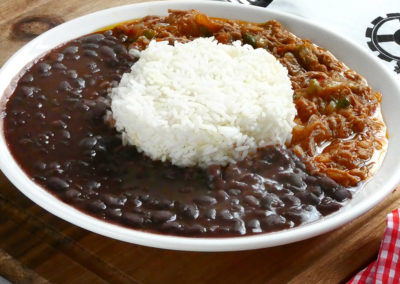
{"x":385,"y":38}
{"x":260,"y":3}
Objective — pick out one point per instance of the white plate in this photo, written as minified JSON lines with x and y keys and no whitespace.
{"x":354,"y":56}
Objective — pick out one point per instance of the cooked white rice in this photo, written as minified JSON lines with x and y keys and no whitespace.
{"x":203,"y":103}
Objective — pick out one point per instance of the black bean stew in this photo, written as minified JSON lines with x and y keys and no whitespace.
{"x":55,"y":129}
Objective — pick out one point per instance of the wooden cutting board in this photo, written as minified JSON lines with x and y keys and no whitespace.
{"x":36,"y":247}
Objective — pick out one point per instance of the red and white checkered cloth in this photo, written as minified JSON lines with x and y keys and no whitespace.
{"x":386,"y":269}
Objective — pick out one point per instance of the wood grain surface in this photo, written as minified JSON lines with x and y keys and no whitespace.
{"x":37,"y":247}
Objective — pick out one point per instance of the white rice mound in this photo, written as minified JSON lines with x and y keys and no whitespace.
{"x":203,"y":103}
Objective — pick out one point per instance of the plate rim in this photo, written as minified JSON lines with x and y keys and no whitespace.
{"x":83,"y":220}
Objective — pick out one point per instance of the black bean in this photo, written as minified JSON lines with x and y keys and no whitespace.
{"x":110,"y":36}
{"x":238,"y":227}
{"x":138,"y":210}
{"x":292,"y":178}
{"x":79,"y":83}
{"x":341,"y":194}
{"x":98,"y":110}
{"x":297,"y":216}
{"x":114,"y":213}
{"x":120,"y":49}
{"x":90,"y":53}
{"x":221,"y":229}
{"x":260,"y":165}
{"x":56,"y":56}
{"x":92,"y":185}
{"x":71,"y":50}
{"x":251,"y":200}
{"x":65,"y":134}
{"x":65,"y":86}
{"x":39,"y":178}
{"x":205,"y":200}
{"x":254,"y":225}
{"x":108,"y":33}
{"x":214,"y":172}
{"x":96,"y":205}
{"x":285,"y":159}
{"x":214,"y":177}
{"x":55,"y":165}
{"x":65,"y":116}
{"x":224,"y":214}
{"x":328,"y":183}
{"x":237,"y":208}
{"x":93,"y":68}
{"x":233,"y":171}
{"x":80,"y":106}
{"x":160,"y":216}
{"x":218,"y":184}
{"x":273,"y":222}
{"x":210,"y":213}
{"x":283,"y":192}
{"x":221,"y":195}
{"x":90,"y":45}
{"x":72,"y":74}
{"x":291,"y":201}
{"x":308,"y":197}
{"x":94,"y":38}
{"x":270,"y":155}
{"x":234,"y":191}
{"x":237,"y":185}
{"x":173,"y":226}
{"x":251,"y":179}
{"x":189,"y":211}
{"x":27,"y":78}
{"x":88,"y":142}
{"x":108,"y":52}
{"x":43,"y":67}
{"x":112,"y":63}
{"x":271,"y":201}
{"x":144,"y":197}
{"x":315,"y":189}
{"x":58,"y":124}
{"x":113,"y":200}
{"x":328,"y":206}
{"x":109,"y":42}
{"x":132,"y":218}
{"x":40,"y":165}
{"x":72,"y":194}
{"x":59,"y":66}
{"x":41,"y":97}
{"x":195,"y":229}
{"x":152,"y":202}
{"x":300,"y":165}
{"x":136,"y":202}
{"x":57,"y":183}
{"x":311,"y":180}
{"x":27,"y":91}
